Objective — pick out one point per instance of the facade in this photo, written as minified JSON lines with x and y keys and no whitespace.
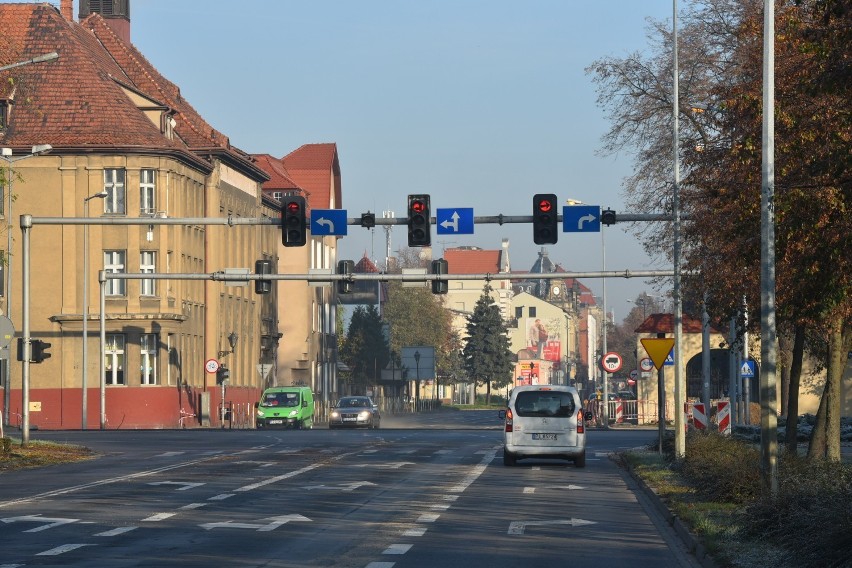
{"x":128,"y":148}
{"x":543,"y":338}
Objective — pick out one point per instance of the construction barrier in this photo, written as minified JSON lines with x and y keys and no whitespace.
{"x":723,"y":416}
{"x":699,"y":416}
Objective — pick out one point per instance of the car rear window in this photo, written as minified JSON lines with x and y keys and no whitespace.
{"x":545,"y":403}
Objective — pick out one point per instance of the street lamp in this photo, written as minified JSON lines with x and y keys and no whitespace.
{"x":6,"y":156}
{"x":417,"y":391}
{"x":98,"y":195}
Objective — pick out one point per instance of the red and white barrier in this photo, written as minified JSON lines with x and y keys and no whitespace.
{"x":723,"y":415}
{"x":699,"y":416}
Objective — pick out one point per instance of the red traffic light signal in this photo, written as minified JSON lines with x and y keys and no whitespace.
{"x":419,"y":229}
{"x":294,"y":224}
{"x":545,"y":221}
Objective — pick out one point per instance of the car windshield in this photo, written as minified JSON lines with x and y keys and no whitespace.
{"x":280,"y":399}
{"x":545,"y":403}
{"x":354,"y":403}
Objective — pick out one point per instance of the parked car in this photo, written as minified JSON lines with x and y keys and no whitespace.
{"x":544,"y":421}
{"x":355,"y":412}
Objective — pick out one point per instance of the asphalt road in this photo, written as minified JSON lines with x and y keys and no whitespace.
{"x":425,"y":490}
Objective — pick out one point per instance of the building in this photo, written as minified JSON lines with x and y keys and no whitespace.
{"x":128,"y":148}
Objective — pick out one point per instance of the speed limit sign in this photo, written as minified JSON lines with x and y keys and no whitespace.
{"x":611,"y":362}
{"x":211,"y":366}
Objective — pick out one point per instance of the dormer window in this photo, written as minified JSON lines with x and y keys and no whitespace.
{"x":4,"y":114}
{"x":167,"y":124}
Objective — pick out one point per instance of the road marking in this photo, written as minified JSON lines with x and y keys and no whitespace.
{"x":274,"y":523}
{"x":450,"y":497}
{"x":392,"y":465}
{"x":61,"y":549}
{"x":159,"y":517}
{"x":278,"y":478}
{"x":220,"y":497}
{"x":428,"y":518}
{"x":116,"y":531}
{"x":259,"y":463}
{"x":194,"y":506}
{"x":398,"y":549}
{"x":529,"y":489}
{"x":474,"y":474}
{"x":518,"y":527}
{"x":183,"y":484}
{"x":417,"y":531}
{"x":440,"y":506}
{"x":169,"y":454}
{"x":381,"y":565}
{"x":50,"y":522}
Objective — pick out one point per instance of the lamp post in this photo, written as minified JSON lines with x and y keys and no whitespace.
{"x":99,"y":195}
{"x":417,"y":390}
{"x":232,"y":341}
{"x":6,"y":155}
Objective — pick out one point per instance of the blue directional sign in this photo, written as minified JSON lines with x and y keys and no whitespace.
{"x":328,"y":222}
{"x":581,"y":219}
{"x":747,"y":370}
{"x":458,"y":221}
{"x":670,"y":358}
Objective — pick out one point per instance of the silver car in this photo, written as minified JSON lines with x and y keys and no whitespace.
{"x":355,"y":412}
{"x":544,"y":421}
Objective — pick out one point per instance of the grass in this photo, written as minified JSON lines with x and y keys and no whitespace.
{"x":39,"y":454}
{"x":716,"y":491}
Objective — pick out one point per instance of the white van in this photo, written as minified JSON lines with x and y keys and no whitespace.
{"x":544,"y":421}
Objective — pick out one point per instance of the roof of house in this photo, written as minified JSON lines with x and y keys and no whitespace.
{"x":82,"y":100}
{"x":312,"y":168}
{"x":472,"y":261}
{"x":664,"y":323}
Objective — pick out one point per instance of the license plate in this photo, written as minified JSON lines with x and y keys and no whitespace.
{"x":544,"y":436}
{"x":275,"y":422}
{"x":350,"y":419}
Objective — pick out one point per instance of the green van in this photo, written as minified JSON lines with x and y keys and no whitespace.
{"x":286,"y":407}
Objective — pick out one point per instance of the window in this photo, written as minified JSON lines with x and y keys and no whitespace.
{"x":148,"y":358}
{"x":114,"y":359}
{"x":147,"y":192}
{"x":532,"y":312}
{"x":148,"y":265}
{"x":4,"y":114}
{"x":519,"y":312}
{"x":279,"y":195}
{"x":114,"y":186}
{"x":114,"y":263}
{"x":545,"y":403}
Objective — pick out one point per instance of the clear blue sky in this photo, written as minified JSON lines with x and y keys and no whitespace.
{"x":480,"y":103}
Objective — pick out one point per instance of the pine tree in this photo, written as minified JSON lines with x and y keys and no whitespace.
{"x":487,"y":356}
{"x":365,"y":350}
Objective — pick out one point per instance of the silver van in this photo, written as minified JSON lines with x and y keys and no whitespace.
{"x":544,"y":421}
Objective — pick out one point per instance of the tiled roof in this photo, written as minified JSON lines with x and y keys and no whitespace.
{"x":274,"y":168}
{"x":366,"y":266}
{"x":472,"y":261}
{"x":315,"y":168}
{"x":664,"y":323}
{"x":78,"y":101}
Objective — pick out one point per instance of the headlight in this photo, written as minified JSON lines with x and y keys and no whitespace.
{"x":293,"y":413}
{"x":260,"y":413}
{"x":335,"y":414}
{"x":363,"y":415}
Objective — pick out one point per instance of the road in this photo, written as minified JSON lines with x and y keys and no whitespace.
{"x":425,"y":490}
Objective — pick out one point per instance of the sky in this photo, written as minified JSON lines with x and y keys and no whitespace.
{"x":478,"y":103}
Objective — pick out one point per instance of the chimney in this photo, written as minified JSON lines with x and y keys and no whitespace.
{"x":115,"y":12}
{"x":66,"y":8}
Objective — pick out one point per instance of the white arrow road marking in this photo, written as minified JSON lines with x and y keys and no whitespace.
{"x":159,"y":517}
{"x":116,"y":531}
{"x":274,"y":524}
{"x":183,"y":484}
{"x":518,"y":527}
{"x":393,"y":465}
{"x":340,"y":487}
{"x":50,"y":522}
{"x":61,"y":549}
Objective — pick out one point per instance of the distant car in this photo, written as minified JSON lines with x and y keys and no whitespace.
{"x":626,"y":395}
{"x":355,"y":412}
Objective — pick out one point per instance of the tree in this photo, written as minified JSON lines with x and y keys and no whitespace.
{"x":487,"y":354}
{"x":365,"y":350}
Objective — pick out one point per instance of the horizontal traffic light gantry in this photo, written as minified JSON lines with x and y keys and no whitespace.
{"x":419,"y":228}
{"x":545,"y":221}
{"x":294,"y":225}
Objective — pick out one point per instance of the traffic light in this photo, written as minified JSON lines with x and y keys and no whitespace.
{"x":545,"y":222}
{"x":368,"y":220}
{"x":263,"y":267}
{"x":419,"y":230}
{"x":222,"y":375}
{"x":38,"y":350}
{"x":608,"y":217}
{"x":439,"y":266}
{"x":345,"y":267}
{"x":294,"y":224}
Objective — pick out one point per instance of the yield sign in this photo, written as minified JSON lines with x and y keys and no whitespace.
{"x":658,"y":349}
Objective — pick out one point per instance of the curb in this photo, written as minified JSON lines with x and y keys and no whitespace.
{"x":692,"y":543}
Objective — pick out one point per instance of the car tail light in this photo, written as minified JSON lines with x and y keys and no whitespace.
{"x":509,"y":420}
{"x":581,"y":421}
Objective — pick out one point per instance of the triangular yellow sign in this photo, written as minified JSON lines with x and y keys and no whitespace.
{"x":658,"y":349}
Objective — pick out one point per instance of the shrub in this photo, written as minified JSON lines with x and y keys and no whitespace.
{"x":721,"y":468}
